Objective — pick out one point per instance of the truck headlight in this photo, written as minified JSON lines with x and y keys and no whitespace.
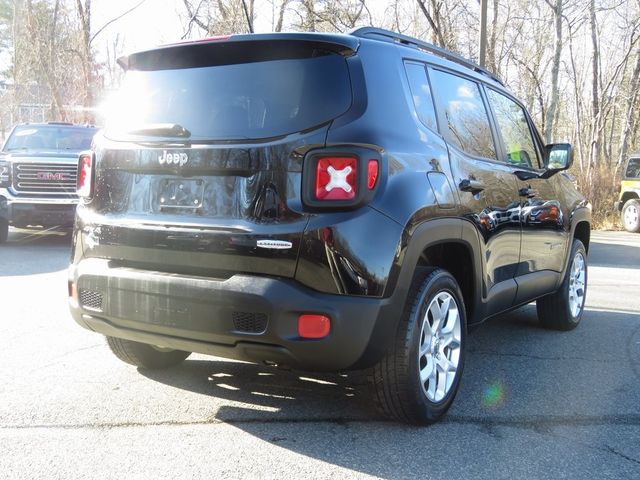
{"x":5,"y":181}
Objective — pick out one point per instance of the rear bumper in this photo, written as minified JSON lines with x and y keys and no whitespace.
{"x":244,"y":317}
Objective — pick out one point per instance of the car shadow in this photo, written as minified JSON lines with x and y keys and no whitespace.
{"x":614,"y":255}
{"x":511,"y":380}
{"x":29,"y":252}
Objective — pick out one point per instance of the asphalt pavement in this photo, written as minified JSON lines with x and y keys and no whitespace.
{"x":533,"y":403}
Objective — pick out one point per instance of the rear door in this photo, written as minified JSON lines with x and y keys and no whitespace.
{"x":488,"y":189}
{"x":199,"y":168}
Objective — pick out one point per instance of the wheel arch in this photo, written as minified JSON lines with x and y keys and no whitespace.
{"x":420,"y":245}
{"x":628,"y":195}
{"x":451,"y":244}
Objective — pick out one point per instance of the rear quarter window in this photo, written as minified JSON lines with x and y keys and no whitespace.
{"x":421,"y":93}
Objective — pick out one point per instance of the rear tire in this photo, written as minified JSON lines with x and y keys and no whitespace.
{"x":417,"y":379}
{"x":4,"y":230}
{"x":145,"y":356}
{"x":562,"y":310}
{"x":630,"y":215}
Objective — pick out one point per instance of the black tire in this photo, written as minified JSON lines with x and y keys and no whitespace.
{"x":555,"y":310}
{"x":145,"y":356}
{"x":630,"y":215}
{"x":395,"y":381}
{"x":4,"y":230}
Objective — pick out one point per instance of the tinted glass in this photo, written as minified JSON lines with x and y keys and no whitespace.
{"x":633,"y":168}
{"x":421,"y":93}
{"x":466,"y":120}
{"x":50,"y":137}
{"x":245,"y":100}
{"x":516,"y":134}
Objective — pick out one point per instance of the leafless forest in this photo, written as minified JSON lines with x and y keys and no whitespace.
{"x":575,"y":63}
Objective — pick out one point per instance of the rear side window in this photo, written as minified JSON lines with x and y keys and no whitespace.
{"x":633,"y":168}
{"x":465,"y":119}
{"x":253,"y":100}
{"x":516,"y":134}
{"x":421,"y":93}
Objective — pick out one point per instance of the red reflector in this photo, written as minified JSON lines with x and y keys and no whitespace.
{"x":313,"y":326}
{"x":85,"y":165}
{"x":336,"y":178}
{"x":372,"y":174}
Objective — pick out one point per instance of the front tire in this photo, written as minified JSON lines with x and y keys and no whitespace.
{"x":630,"y":215}
{"x":145,"y":356}
{"x":562,"y":310}
{"x":417,"y":379}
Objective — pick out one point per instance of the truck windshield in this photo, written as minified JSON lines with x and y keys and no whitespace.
{"x":49,"y":137}
{"x":252,"y":100}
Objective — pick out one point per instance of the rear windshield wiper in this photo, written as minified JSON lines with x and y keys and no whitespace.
{"x":161,"y":130}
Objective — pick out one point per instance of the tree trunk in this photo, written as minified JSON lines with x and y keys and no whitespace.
{"x":84,"y":13}
{"x":594,"y":147}
{"x":630,"y":116}
{"x":283,"y":7}
{"x":555,"y":69}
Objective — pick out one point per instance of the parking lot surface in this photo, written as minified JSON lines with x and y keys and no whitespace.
{"x":533,"y":403}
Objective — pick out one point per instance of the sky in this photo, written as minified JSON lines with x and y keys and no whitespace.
{"x":153,"y":23}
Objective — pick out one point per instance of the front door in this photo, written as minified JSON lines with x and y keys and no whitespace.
{"x":544,"y":238}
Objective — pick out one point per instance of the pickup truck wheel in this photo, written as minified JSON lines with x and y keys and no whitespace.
{"x":145,"y":356}
{"x":631,"y":215}
{"x":417,"y":379}
{"x":563,"y":309}
{"x":4,"y":230}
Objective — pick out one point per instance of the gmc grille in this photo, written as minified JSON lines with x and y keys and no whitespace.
{"x":47,"y":178}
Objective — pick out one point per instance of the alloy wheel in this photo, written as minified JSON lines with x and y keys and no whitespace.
{"x":577,"y":283}
{"x":440,"y":344}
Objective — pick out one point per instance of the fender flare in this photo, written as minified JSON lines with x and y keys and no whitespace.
{"x":579,"y":215}
{"x":414,"y":242}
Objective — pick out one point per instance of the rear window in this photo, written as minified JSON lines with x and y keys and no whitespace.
{"x":240,"y":101}
{"x":49,"y":137}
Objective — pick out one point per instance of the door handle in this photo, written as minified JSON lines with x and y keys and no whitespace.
{"x":472,"y":186}
{"x":527,"y":192}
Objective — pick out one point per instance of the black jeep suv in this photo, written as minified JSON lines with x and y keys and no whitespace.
{"x":324,"y":202}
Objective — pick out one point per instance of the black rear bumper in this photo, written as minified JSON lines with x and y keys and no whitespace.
{"x":244,"y":317}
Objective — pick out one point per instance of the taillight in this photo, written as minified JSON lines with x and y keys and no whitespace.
{"x":84,"y":185}
{"x":372,"y":174}
{"x":336,"y":178}
{"x":340,"y":178}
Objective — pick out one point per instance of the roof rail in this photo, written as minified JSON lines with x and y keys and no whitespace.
{"x":388,"y":36}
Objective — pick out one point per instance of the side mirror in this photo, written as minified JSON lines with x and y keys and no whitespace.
{"x":558,"y":157}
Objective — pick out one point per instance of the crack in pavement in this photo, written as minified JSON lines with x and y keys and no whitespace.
{"x":541,"y":357}
{"x":535,"y":422}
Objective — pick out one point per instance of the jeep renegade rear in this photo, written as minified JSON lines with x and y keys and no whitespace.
{"x":323,"y":202}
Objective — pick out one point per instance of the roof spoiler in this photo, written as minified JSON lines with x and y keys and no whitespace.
{"x":225,"y":50}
